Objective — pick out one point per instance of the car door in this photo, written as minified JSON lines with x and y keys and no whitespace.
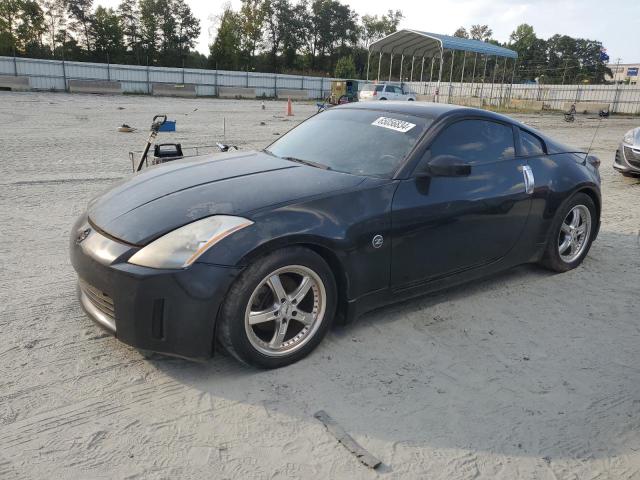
{"x":390,"y":92}
{"x":447,"y":220}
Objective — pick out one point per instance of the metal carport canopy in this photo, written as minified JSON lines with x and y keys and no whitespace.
{"x":425,"y":44}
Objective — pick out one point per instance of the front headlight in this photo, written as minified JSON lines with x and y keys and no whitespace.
{"x":629,"y":136}
{"x":181,"y":247}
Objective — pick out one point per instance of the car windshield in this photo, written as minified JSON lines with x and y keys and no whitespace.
{"x":356,"y":141}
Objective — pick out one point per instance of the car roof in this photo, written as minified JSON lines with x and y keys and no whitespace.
{"x":434,"y":111}
{"x":423,"y":109}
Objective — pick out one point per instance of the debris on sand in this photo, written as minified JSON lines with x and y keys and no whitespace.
{"x":124,"y":128}
{"x":347,"y":440}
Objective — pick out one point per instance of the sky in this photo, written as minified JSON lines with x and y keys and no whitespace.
{"x":613,"y":22}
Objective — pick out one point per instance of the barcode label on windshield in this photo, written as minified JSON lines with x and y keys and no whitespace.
{"x":393,"y":124}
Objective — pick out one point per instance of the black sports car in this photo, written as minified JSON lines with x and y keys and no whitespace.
{"x":359,"y":206}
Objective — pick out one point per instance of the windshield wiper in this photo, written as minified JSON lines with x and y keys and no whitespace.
{"x":307,"y":162}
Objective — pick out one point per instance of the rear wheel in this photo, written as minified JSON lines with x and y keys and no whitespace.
{"x":571,"y":234}
{"x":279,"y":309}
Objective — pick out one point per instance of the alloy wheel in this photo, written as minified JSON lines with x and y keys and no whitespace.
{"x":285,"y":310}
{"x":574,"y":233}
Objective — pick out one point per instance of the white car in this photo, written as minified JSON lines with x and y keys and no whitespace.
{"x":384,"y":91}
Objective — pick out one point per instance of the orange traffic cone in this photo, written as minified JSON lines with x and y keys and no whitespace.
{"x":289,"y":107}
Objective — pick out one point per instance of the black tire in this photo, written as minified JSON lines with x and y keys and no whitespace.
{"x":551,"y":258}
{"x":231,"y":331}
{"x":383,"y":98}
{"x":410,"y":99}
{"x":630,"y":174}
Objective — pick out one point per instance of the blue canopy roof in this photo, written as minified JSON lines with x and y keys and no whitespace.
{"x":426,"y":44}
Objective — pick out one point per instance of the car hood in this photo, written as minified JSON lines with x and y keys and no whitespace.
{"x":163,"y":198}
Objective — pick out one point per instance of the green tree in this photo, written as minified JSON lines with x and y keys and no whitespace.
{"x":480,"y":32}
{"x":226,"y":48}
{"x":252,"y":15}
{"x":106,"y":31}
{"x":345,"y":68}
{"x":81,"y":18}
{"x":129,"y":15}
{"x":461,"y":32}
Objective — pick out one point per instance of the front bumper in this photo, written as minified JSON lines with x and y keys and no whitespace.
{"x":627,"y":159}
{"x":166,"y":311}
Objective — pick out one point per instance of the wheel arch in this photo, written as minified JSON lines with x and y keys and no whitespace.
{"x":326,"y":252}
{"x":597,"y":200}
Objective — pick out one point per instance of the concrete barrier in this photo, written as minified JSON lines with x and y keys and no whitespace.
{"x":173,"y":90}
{"x":587,"y":107}
{"x":465,"y":101}
{"x":293,"y":93}
{"x":236,"y":92}
{"x":536,"y":105}
{"x":13,"y":83}
{"x":94,"y":86}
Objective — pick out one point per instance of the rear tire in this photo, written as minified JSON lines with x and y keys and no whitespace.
{"x":279,"y":308}
{"x":571,"y":234}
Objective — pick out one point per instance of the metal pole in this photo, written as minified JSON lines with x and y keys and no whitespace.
{"x":401,"y":64}
{"x":495,"y":67}
{"x":148,"y":85}
{"x":437,"y":95}
{"x":421,"y":69}
{"x":64,"y":68}
{"x":464,"y":61}
{"x":368,"y":58}
{"x":411,"y":77}
{"x":379,"y":65}
{"x":453,"y":57}
{"x":275,"y":85}
{"x":484,"y":71}
{"x":473,"y":75}
{"x":504,"y":71}
{"x":108,"y":68}
{"x":513,"y":74}
{"x":390,"y":65}
{"x":15,"y":64}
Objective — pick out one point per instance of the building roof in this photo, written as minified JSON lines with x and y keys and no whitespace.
{"x":426,"y":44}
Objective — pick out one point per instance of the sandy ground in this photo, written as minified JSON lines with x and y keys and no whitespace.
{"x":524,"y":375}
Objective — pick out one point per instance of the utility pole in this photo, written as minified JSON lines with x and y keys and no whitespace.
{"x":564,"y":73}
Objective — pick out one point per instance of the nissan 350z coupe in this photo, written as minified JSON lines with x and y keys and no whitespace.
{"x":357,"y":207}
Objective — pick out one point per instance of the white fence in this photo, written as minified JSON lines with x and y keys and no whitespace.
{"x":56,"y":74}
{"x":619,"y":98}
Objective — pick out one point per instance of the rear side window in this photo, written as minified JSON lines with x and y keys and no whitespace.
{"x":475,"y":141}
{"x":379,"y":88}
{"x":390,"y":89}
{"x":530,"y":144}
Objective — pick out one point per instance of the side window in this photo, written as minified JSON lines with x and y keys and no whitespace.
{"x":379,"y":88}
{"x":389,"y":88}
{"x":530,"y":144}
{"x":475,"y":141}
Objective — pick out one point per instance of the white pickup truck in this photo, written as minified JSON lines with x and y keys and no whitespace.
{"x":383,"y":91}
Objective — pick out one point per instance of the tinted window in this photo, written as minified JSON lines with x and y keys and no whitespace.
{"x":390,"y":89}
{"x":475,"y":141}
{"x":363,"y":142}
{"x":379,"y":88}
{"x":531,"y":145}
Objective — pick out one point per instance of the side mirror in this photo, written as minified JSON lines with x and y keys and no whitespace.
{"x":446,"y":166}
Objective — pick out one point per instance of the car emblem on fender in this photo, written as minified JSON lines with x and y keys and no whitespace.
{"x":83,"y":235}
{"x":377,"y":241}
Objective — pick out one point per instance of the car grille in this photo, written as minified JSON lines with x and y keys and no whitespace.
{"x":98,"y":299}
{"x":618,"y":158}
{"x":632,"y":157}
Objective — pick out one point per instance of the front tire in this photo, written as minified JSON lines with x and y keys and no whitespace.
{"x":571,"y":235}
{"x":279,"y":309}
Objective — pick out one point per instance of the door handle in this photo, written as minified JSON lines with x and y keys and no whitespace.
{"x":529,"y":181}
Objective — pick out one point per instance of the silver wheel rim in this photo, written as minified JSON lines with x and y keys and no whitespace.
{"x":285,"y":310}
{"x":574,"y":233}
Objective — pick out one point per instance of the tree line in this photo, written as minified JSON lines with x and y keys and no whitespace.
{"x":315,"y":37}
